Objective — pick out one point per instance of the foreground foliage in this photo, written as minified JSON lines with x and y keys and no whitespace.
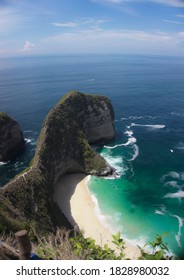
{"x":61,"y":246}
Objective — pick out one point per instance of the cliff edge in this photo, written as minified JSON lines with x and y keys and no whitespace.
{"x":63,"y":147}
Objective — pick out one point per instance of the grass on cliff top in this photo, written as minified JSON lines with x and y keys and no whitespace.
{"x":73,"y":93}
{"x":4,"y":117}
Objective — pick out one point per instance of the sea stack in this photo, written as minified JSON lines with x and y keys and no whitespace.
{"x":63,"y":147}
{"x":11,"y":137}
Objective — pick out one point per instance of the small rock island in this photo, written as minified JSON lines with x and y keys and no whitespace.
{"x":11,"y":138}
{"x":76,"y":121}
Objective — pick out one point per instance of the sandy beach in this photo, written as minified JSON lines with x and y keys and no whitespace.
{"x":73,"y":197}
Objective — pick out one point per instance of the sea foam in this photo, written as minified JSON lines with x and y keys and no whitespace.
{"x":172,"y":174}
{"x":130,"y":142}
{"x":151,"y":126}
{"x":180,"y":146}
{"x":112,"y":222}
{"x":3,"y":163}
{"x":28,"y":140}
{"x":173,"y":184}
{"x":140,"y":117}
{"x":179,"y":194}
{"x":161,"y":210}
{"x":104,"y":219}
{"x":179,"y":234}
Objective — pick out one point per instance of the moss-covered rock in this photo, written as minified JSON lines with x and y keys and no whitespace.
{"x":63,"y":147}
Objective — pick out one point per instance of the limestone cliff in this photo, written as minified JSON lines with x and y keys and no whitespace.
{"x":11,"y":137}
{"x":63,"y":147}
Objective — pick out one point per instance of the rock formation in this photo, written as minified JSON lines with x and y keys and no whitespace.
{"x":11,"y":138}
{"x":63,"y":147}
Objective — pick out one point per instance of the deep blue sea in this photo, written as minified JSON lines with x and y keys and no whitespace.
{"x":147,"y":93}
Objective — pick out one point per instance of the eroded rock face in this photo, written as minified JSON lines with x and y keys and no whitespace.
{"x":11,"y":137}
{"x":98,"y":126}
{"x":63,"y":147}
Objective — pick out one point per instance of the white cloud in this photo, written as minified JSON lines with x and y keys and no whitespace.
{"x":3,"y":51}
{"x":173,"y":21}
{"x":180,"y":16}
{"x":28,"y":47}
{"x":173,"y":3}
{"x":114,"y":1}
{"x":84,"y":21}
{"x":115,"y":41}
{"x":9,"y":19}
{"x":109,"y":1}
{"x":65,"y":24}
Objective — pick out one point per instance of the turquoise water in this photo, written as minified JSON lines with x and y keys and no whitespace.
{"x":147,"y":198}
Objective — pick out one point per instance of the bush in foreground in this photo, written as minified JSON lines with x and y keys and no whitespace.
{"x":61,"y":246}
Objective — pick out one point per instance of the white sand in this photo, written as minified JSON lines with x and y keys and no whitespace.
{"x":73,"y":197}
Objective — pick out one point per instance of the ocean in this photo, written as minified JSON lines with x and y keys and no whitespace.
{"x":147,"y":93}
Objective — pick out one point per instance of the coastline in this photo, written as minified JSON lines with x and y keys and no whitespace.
{"x":73,"y":197}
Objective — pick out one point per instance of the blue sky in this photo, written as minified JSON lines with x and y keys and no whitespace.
{"x":34,"y":27}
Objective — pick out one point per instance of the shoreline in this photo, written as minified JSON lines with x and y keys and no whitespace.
{"x":72,"y":195}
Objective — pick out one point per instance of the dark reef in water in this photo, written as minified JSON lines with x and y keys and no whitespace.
{"x":63,"y":147}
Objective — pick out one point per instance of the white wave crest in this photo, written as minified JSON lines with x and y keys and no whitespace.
{"x":182,"y":176}
{"x":91,"y":80}
{"x":180,"y":146}
{"x":116,"y":162}
{"x":28,"y":140}
{"x":172,"y":174}
{"x":101,"y":217}
{"x":161,"y":210}
{"x":3,"y":163}
{"x":131,"y":140}
{"x":177,"y":114}
{"x":173,"y":184}
{"x":114,"y":147}
{"x":179,"y":234}
{"x":129,"y":132}
{"x":179,"y":194}
{"x":139,"y":117}
{"x":151,"y":126}
{"x":136,"y":153}
{"x":158,"y":212}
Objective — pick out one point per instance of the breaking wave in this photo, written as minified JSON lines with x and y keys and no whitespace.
{"x":140,"y":117}
{"x":171,"y":174}
{"x":179,"y":194}
{"x":179,"y":234}
{"x":161,"y":210}
{"x":180,"y":146}
{"x":3,"y":163}
{"x":130,"y":142}
{"x":173,"y":184}
{"x":151,"y":126}
{"x":115,"y":161}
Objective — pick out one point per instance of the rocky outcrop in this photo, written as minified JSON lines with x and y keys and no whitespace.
{"x":11,"y":138}
{"x":63,"y":147}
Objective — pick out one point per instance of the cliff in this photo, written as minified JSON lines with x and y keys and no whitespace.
{"x":63,"y":147}
{"x":11,"y":137}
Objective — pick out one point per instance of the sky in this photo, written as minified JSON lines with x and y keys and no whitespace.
{"x":51,"y":27}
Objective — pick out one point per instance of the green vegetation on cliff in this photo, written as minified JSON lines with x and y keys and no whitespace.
{"x":3,"y":117}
